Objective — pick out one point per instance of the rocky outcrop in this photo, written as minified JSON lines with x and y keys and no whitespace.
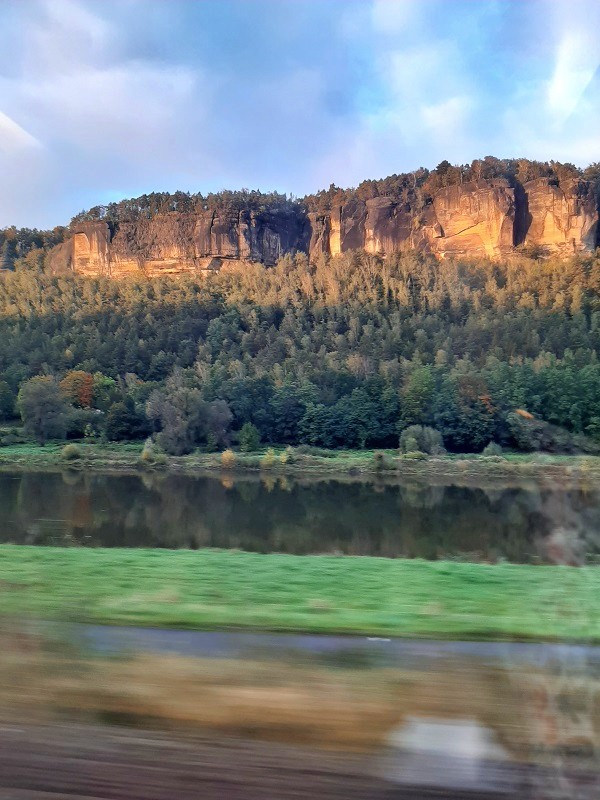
{"x":177,"y":243}
{"x":561,"y":218}
{"x":479,"y":218}
{"x":476,"y":218}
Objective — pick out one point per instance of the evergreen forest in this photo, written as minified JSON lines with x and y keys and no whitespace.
{"x":346,"y":352}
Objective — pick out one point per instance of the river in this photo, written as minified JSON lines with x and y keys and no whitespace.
{"x":530,"y":523}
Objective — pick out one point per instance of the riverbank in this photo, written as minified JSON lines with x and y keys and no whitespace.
{"x":215,"y":589}
{"x":384,"y":464}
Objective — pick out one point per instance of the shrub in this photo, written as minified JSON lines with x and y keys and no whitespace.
{"x":71,"y":452}
{"x":533,"y":435}
{"x":287,"y":457}
{"x":150,"y":457}
{"x":381,"y":461}
{"x":409,"y":445}
{"x":268,"y":460}
{"x":311,"y":450}
{"x":415,"y":455}
{"x":146,"y":457}
{"x":10,"y":439}
{"x":249,"y":438}
{"x":421,"y":438}
{"x":212,"y":443}
{"x":228,"y":458}
{"x":492,"y":449}
{"x":82,"y":422}
{"x":123,"y":422}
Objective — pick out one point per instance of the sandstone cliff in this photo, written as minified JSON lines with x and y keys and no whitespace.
{"x":176,"y":243}
{"x":561,"y":217}
{"x":485,"y":217}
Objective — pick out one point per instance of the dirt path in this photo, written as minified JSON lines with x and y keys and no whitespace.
{"x":91,"y":762}
{"x":82,"y":762}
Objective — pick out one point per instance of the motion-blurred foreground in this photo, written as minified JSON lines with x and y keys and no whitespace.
{"x":109,"y":713}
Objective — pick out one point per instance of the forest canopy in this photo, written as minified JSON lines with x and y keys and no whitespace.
{"x":345,"y":352}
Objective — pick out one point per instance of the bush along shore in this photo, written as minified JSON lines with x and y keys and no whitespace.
{"x":220,"y":589}
{"x":388,"y":464}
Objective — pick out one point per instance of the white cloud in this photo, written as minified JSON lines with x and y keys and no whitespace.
{"x":448,"y":95}
{"x":577,"y":60}
{"x":393,"y":17}
{"x":426,"y":99}
{"x":61,"y":33}
{"x":13,"y":137}
{"x":447,"y":118}
{"x":112,"y":98}
{"x":99,"y":116}
{"x":557,"y":116}
{"x":130,"y":109}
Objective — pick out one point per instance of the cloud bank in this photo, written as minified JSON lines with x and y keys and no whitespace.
{"x":104,"y":99}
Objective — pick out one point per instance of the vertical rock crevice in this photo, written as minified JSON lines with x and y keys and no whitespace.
{"x":522,"y":215}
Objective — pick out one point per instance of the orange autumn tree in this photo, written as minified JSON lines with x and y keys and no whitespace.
{"x":78,"y":387}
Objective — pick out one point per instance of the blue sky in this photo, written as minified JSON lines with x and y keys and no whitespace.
{"x":104,"y":99}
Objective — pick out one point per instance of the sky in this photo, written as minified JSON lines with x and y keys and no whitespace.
{"x":106,"y":99}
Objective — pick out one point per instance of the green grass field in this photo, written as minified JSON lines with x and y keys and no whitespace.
{"x":325,"y":594}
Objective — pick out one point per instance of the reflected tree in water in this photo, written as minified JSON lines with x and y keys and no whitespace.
{"x":552,"y":524}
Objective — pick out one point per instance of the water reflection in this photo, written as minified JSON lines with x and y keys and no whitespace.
{"x":555,"y":524}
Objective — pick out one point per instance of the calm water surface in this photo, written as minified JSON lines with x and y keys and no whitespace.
{"x":283,"y":515}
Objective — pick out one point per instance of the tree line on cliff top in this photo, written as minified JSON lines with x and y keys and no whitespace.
{"x":415,"y":188}
{"x":349,"y":351}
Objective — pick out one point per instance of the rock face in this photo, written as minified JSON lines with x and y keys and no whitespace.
{"x":175,"y":243}
{"x":477,"y":218}
{"x":561,"y":218}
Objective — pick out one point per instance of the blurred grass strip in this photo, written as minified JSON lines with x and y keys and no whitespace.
{"x":215,"y":589}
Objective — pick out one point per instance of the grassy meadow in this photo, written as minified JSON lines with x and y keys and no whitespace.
{"x":217,"y":589}
{"x":127,"y":457}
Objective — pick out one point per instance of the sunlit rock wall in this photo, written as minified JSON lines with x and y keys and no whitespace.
{"x":478,"y":218}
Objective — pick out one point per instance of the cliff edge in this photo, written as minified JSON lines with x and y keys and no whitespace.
{"x":481,"y":216}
